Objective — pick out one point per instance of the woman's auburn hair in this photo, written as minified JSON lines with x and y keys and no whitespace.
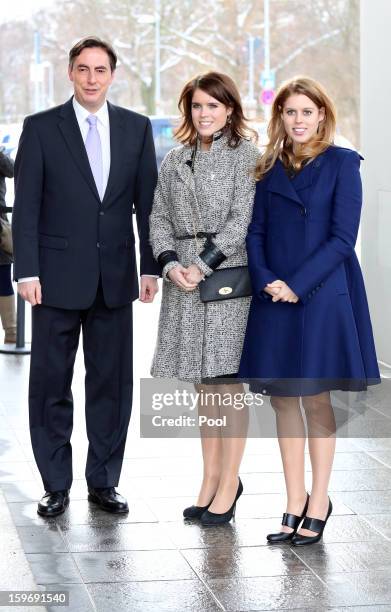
{"x":221,"y":87}
{"x":280,"y":145}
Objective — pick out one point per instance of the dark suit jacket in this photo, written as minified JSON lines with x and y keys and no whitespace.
{"x":62,"y":232}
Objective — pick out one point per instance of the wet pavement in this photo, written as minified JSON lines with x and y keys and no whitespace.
{"x":151,"y":560}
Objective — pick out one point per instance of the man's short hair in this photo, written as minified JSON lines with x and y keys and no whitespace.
{"x":90,"y":42}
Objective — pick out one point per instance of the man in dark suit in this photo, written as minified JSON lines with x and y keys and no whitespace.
{"x":79,"y":170}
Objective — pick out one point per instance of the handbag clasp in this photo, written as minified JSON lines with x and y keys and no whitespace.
{"x":225,"y":290}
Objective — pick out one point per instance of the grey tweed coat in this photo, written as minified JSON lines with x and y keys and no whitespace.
{"x":199,"y":340}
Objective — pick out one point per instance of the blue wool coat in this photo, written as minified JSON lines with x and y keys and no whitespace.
{"x":303,"y":231}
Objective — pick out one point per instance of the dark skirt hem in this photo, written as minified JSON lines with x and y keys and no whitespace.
{"x":299,"y":387}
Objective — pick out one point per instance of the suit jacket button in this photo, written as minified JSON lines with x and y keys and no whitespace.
{"x":101,"y":212}
{"x":303,"y":212}
{"x":98,"y":245}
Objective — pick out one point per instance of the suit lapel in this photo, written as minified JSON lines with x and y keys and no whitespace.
{"x":116,"y":140}
{"x":70,"y":130}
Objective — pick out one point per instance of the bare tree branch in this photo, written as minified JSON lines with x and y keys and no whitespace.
{"x":307,"y":45}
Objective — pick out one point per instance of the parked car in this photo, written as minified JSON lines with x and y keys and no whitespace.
{"x":163,"y":135}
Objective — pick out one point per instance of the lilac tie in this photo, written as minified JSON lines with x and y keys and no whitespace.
{"x":94,"y":152}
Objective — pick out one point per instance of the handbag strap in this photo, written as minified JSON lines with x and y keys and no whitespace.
{"x":193,"y":156}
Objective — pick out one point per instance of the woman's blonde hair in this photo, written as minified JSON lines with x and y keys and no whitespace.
{"x":280,"y":145}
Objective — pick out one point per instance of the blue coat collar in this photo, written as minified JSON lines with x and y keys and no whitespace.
{"x":280,"y":183}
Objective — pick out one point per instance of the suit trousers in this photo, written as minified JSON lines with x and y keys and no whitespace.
{"x":107,"y":346}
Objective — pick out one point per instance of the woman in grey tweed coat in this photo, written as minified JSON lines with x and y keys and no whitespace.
{"x":202,"y":342}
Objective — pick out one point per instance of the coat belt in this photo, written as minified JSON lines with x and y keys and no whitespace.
{"x":198,"y":235}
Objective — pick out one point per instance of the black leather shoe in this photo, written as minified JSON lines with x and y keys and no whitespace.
{"x":108,"y":499}
{"x":313,"y":524}
{"x":289,"y":520}
{"x":195,"y":512}
{"x":53,"y":503}
{"x":213,"y":518}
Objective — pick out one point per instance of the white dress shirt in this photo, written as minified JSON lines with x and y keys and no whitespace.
{"x":103,"y":126}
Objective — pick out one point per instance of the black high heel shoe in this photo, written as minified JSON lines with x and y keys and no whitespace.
{"x":195,"y":512}
{"x":213,"y":518}
{"x":289,"y":520}
{"x":313,"y":524}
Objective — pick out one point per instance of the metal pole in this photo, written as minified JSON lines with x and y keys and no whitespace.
{"x":49,"y":98}
{"x":266,"y":25}
{"x":20,"y":323}
{"x":157,"y":57}
{"x":251,"y":41}
{"x":266,"y":19}
{"x":37,"y":62}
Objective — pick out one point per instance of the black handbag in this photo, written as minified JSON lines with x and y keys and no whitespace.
{"x":226,"y":284}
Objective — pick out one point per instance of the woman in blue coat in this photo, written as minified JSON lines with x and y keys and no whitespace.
{"x":309,"y":329}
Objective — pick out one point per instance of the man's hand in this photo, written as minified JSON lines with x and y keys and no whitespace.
{"x":148,"y":289}
{"x":281,"y":292}
{"x":178,"y":276}
{"x":31,"y":292}
{"x":193,"y":274}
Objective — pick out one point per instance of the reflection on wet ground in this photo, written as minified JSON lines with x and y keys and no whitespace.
{"x":151,"y":560}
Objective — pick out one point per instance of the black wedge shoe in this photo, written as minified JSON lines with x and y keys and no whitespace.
{"x":289,"y":520}
{"x":313,"y":524}
{"x":212,"y":518}
{"x":195,"y":512}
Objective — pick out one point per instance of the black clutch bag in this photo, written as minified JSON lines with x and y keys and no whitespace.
{"x":226,"y":284}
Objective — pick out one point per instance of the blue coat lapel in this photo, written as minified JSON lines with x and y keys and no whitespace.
{"x":280,"y":182}
{"x":308,"y":175}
